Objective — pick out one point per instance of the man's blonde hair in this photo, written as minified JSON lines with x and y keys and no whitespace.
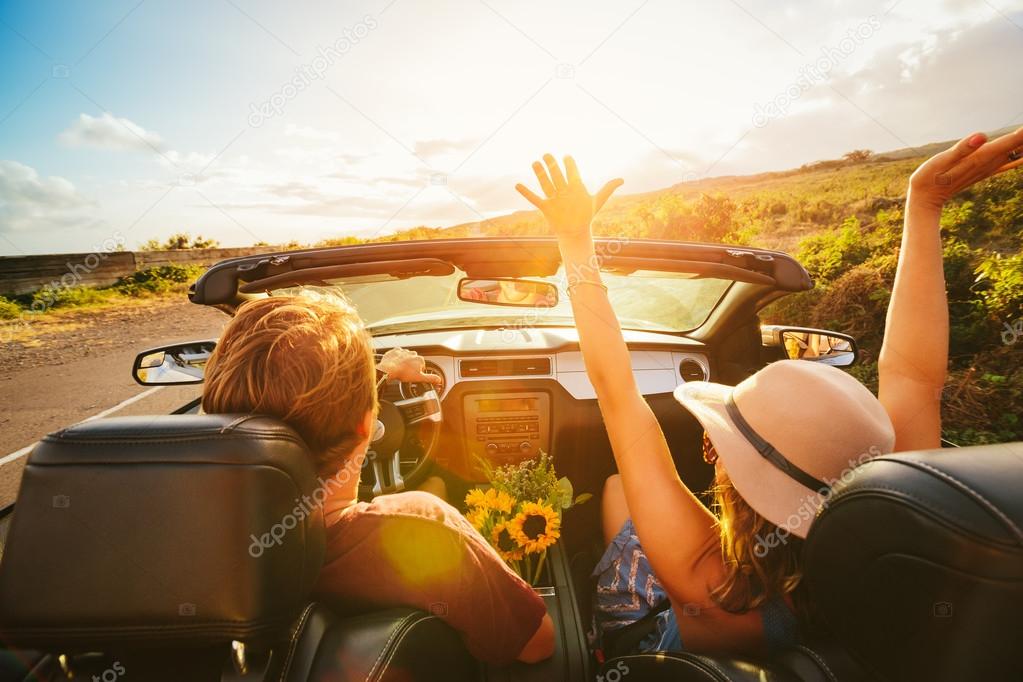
{"x":308,"y":362}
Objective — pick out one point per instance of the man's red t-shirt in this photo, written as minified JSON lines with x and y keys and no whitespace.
{"x":413,"y":549}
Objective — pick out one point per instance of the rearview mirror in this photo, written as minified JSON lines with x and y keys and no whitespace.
{"x":182,"y":363}
{"x":816,"y":345}
{"x":514,"y":292}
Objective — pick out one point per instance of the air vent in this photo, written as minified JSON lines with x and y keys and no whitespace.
{"x":505,"y":367}
{"x":691,"y":370}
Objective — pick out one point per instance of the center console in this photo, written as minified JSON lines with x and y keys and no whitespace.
{"x":571,"y":659}
{"x":507,"y":428}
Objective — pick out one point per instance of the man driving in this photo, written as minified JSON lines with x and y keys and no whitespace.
{"x":310,"y":364}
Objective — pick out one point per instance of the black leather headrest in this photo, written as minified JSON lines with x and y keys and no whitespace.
{"x":916,"y":563}
{"x":157,"y":531}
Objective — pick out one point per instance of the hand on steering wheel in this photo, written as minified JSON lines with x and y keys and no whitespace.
{"x":393,"y":422}
{"x":406,"y":365}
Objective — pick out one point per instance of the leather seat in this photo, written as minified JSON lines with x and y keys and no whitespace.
{"x":396,"y":644}
{"x":131,"y":553}
{"x":914,"y":565}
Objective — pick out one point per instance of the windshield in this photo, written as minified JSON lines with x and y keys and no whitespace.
{"x":644,"y":300}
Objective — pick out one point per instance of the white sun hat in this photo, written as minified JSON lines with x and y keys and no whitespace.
{"x":788,"y":433}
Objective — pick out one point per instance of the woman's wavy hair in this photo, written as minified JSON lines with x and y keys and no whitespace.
{"x":756,"y":568}
{"x":306,"y":361}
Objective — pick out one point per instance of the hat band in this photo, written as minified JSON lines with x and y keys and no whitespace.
{"x":769,"y":452}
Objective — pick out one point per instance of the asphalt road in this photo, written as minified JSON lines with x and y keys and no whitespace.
{"x":63,"y":368}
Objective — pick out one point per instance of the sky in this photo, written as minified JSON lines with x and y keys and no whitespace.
{"x":256,"y":121}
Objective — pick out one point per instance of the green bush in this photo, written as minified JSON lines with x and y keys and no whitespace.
{"x":1002,"y":280}
{"x":66,"y":297}
{"x":829,"y":254}
{"x":149,"y":282}
{"x":181,"y":240}
{"x":158,"y":280}
{"x":9,"y":310}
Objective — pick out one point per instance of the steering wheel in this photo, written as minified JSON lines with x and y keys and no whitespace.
{"x":391,"y":435}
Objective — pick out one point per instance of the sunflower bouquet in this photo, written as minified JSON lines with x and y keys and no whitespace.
{"x":520,"y":513}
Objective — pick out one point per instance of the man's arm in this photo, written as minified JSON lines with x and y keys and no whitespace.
{"x":541,"y":646}
{"x":413,"y":549}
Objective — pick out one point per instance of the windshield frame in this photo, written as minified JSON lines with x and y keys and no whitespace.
{"x":457,"y":314}
{"x":760,"y":275}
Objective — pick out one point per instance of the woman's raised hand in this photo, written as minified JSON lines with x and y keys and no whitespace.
{"x":971,"y":160}
{"x":567,"y":204}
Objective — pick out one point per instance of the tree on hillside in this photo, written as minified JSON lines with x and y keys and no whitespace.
{"x":858,"y":155}
{"x":339,"y":241}
{"x":181,"y":240}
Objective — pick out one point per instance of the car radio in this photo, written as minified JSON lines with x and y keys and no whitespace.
{"x":507,"y":428}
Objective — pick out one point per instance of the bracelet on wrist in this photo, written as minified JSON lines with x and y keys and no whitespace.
{"x":585,"y":281}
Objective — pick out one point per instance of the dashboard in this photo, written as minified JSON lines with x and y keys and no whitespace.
{"x":506,"y":396}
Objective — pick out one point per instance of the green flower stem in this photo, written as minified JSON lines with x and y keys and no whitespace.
{"x":539,"y":568}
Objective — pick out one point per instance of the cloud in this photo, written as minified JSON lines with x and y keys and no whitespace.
{"x":429,"y":148}
{"x":109,"y":132}
{"x":120,"y":134}
{"x":943,"y":82}
{"x":938,"y":86}
{"x":310,"y":133}
{"x":29,"y":201}
{"x":359,"y":179}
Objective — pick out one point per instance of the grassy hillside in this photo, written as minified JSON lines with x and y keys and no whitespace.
{"x":843,"y":220}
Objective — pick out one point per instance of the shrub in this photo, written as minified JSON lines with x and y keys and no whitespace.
{"x":1002,"y":281}
{"x":181,"y":240}
{"x":158,"y":280}
{"x":66,"y":297}
{"x":828,"y":254}
{"x":9,"y":310}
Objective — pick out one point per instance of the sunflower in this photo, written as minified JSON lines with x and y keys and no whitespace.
{"x":502,"y":540}
{"x":497,"y":500}
{"x":478,"y":517}
{"x":476,"y":498}
{"x":502,"y":502}
{"x":536,"y":527}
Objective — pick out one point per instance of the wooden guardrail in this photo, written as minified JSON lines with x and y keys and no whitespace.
{"x":26,"y":274}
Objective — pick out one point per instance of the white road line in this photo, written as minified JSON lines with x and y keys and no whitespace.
{"x":16,"y":454}
{"x":119,"y":406}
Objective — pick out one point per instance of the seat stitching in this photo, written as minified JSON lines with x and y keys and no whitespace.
{"x":294,"y":640}
{"x":941,"y":514}
{"x":394,"y":633}
{"x":819,"y":659}
{"x":170,"y":629}
{"x":240,"y":420}
{"x":140,"y":438}
{"x":714,"y":666}
{"x":986,"y":503}
{"x":394,"y":649}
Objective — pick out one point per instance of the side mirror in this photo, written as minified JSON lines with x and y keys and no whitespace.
{"x":816,"y":345}
{"x":180,"y":364}
{"x":514,"y":292}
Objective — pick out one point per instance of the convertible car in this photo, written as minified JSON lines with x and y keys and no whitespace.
{"x":128,"y":553}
